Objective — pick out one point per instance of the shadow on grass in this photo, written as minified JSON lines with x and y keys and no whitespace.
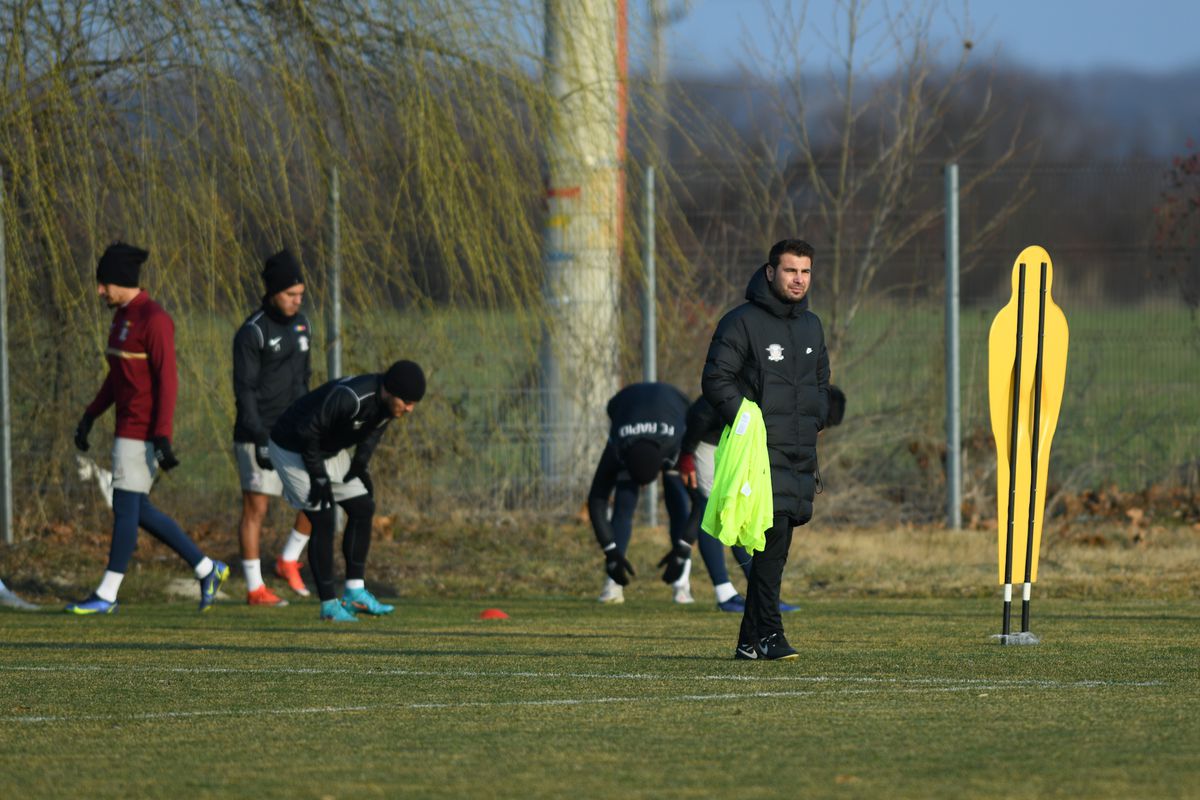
{"x":297,"y":650}
{"x":832,"y":610}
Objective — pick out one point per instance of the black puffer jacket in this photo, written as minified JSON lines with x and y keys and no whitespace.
{"x":704,"y":424}
{"x":773,"y":353}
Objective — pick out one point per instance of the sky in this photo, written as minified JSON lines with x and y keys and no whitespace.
{"x":1051,"y":36}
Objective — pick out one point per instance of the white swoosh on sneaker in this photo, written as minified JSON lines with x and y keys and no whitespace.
{"x":748,"y":652}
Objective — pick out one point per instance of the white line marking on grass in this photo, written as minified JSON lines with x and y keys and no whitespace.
{"x":149,"y":716}
{"x":630,"y":676}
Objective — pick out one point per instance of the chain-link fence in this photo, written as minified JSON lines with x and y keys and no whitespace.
{"x":1128,"y":416}
{"x":476,"y":446}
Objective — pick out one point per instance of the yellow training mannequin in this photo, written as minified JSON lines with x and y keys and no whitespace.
{"x":1002,"y":353}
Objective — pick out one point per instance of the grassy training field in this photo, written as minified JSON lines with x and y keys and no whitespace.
{"x":893,"y":696}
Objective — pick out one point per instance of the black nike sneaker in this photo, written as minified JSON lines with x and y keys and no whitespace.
{"x":776,"y":648}
{"x":746,"y":651}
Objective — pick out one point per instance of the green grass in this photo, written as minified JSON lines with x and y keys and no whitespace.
{"x":1127,"y":416}
{"x":895,"y":698}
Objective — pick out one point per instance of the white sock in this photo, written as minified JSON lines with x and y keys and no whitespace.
{"x":725,"y":591}
{"x":295,"y":546}
{"x":253,"y":569}
{"x":355,"y":583}
{"x":110,"y":584}
{"x":684,"y":579}
{"x":203,"y":568}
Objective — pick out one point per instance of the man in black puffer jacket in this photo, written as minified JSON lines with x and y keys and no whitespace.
{"x":771,"y":350}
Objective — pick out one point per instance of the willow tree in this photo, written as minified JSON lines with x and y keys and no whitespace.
{"x":207,"y":132}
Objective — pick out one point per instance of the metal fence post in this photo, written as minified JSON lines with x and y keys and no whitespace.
{"x":334,"y":333}
{"x":6,"y":515}
{"x":953,"y":377}
{"x":650,"y":316}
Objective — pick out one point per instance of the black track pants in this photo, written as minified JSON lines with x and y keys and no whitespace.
{"x":355,"y":544}
{"x":320,"y":551}
{"x":762,"y":616}
{"x":357,"y":541}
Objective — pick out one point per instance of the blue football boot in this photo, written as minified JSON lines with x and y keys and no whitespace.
{"x":94,"y":604}
{"x":334,"y":611}
{"x":362,"y":600}
{"x":210,"y":585}
{"x":734,"y":605}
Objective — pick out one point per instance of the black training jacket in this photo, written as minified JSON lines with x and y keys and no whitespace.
{"x":773,"y":353}
{"x":334,"y":417}
{"x":271,"y":368}
{"x":704,"y":424}
{"x":651,"y":411}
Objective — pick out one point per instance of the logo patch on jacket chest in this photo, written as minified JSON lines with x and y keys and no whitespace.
{"x":774,"y":352}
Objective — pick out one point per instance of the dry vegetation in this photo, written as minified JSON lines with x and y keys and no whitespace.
{"x":523,"y":556}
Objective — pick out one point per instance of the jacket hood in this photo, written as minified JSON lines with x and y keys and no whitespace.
{"x":758,"y":291}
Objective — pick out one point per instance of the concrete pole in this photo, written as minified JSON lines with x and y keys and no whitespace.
{"x":658,"y":80}
{"x":953,"y":376}
{"x":6,"y":495}
{"x":585,"y":51}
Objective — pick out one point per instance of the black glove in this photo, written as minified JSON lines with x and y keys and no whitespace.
{"x":262,"y":456}
{"x":321,"y":493}
{"x":82,"y":430}
{"x":616,"y":565}
{"x":837,"y":406}
{"x":162,"y":453}
{"x":358,"y":469}
{"x":675,"y":561}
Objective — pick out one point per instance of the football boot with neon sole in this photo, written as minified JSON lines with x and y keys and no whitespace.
{"x":211,"y":584}
{"x":94,"y":604}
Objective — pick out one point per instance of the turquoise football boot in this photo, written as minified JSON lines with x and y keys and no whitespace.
{"x":365,"y":602}
{"x":334,"y":611}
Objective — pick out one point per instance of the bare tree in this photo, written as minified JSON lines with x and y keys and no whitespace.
{"x":1177,"y":224}
{"x":851,"y":151}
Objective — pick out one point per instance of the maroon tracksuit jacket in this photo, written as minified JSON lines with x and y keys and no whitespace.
{"x":142,"y":379}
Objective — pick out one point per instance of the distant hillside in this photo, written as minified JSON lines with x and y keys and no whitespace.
{"x":1148,"y":115}
{"x":1109,"y":115}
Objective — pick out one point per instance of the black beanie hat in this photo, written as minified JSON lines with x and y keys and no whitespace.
{"x":644,"y":461}
{"x":281,"y":272}
{"x":405,"y":380}
{"x":120,"y":264}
